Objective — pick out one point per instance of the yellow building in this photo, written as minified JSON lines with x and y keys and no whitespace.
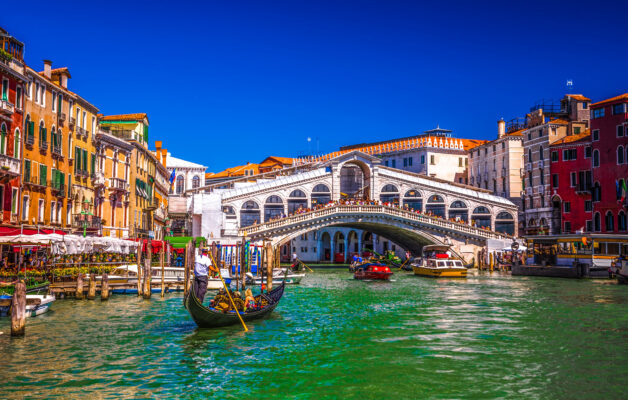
{"x":133,"y":128}
{"x":57,"y":191}
{"x":162,"y":186}
{"x":112,"y":184}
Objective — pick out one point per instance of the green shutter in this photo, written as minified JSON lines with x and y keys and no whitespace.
{"x":43,"y":174}
{"x":84,"y":160}
{"x":45,"y":134}
{"x":69,"y":184}
{"x":27,"y":170}
{"x":31,"y":128}
{"x":145,"y":133}
{"x":93,"y":163}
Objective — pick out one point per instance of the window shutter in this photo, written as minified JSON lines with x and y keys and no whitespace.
{"x":93,"y":163}
{"x":76,"y":159}
{"x":85,"y":160}
{"x":27,"y":170}
{"x":69,"y":184}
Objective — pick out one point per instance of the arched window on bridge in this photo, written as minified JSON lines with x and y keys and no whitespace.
{"x":249,"y":214}
{"x":296,"y":200}
{"x":273,"y":208}
{"x":390,"y":194}
{"x":229,"y":211}
{"x":413,"y":200}
{"x":481,"y":217}
{"x":458,"y":210}
{"x":320,"y":195}
{"x":196,"y":182}
{"x":505,"y":223}
{"x":354,"y":181}
{"x":435,"y":206}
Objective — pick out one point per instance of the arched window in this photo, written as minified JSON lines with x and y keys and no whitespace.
{"x":529,"y":155}
{"x":180,"y":184}
{"x":196,"y":182}
{"x":597,"y":224}
{"x":609,"y":221}
{"x":596,"y":158}
{"x":43,"y":137}
{"x":3,"y":139}
{"x":436,"y":206}
{"x":541,"y":153}
{"x":505,"y":223}
{"x":320,"y":195}
{"x":481,"y":217}
{"x":273,"y":207}
{"x":390,"y":194}
{"x":17,"y":143}
{"x":412,"y":199}
{"x":621,"y":221}
{"x":249,"y":214}
{"x":297,"y":200}
{"x":597,"y":192}
{"x":458,"y":211}
{"x":620,"y":155}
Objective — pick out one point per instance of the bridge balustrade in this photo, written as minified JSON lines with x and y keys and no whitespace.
{"x":374,"y":209}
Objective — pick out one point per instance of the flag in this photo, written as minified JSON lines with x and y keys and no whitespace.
{"x":617,"y":190}
{"x":623,"y":190}
{"x":172,"y":176}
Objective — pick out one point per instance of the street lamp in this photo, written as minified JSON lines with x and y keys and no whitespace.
{"x":85,"y":215}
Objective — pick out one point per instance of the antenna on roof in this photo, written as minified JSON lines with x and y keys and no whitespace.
{"x":569,"y":85}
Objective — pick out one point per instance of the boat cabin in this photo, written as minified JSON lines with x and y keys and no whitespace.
{"x":434,"y":263}
{"x":596,"y":250}
{"x":436,"y":251}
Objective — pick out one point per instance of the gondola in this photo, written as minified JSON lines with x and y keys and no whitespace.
{"x":210,"y":318}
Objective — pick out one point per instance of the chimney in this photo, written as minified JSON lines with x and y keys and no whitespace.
{"x":501,"y":128}
{"x":158,"y":145}
{"x":48,"y":69}
{"x":64,"y":80}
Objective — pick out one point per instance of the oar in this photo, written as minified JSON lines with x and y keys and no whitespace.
{"x":228,"y":294}
{"x":404,"y":263}
{"x":305,"y":265}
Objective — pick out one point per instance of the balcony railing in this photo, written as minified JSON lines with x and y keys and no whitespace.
{"x":152,"y":204}
{"x":9,"y":165}
{"x":29,"y":140}
{"x":99,"y":179}
{"x":61,"y":116}
{"x":72,"y":121}
{"x":43,"y":146}
{"x":118,"y":184}
{"x":56,"y":150}
{"x":58,"y":188}
{"x":6,"y":107}
{"x":81,"y":131}
{"x":82,"y":221}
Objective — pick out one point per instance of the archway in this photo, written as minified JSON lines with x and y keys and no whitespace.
{"x":556,"y":215}
{"x":273,"y":208}
{"x":367,"y":244}
{"x":481,"y":217}
{"x":354,"y":180}
{"x":505,"y":223}
{"x":320,"y":195}
{"x":325,"y":247}
{"x":435,"y":206}
{"x":249,"y":214}
{"x":413,"y":200}
{"x":353,"y":244}
{"x":339,"y":247}
{"x":390,"y":194}
{"x":458,"y":211}
{"x":296,"y":200}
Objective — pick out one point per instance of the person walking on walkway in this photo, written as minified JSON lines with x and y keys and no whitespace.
{"x":201,"y":270}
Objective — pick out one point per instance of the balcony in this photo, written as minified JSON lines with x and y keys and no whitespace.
{"x":6,"y":107}
{"x":29,"y":140}
{"x":86,"y":221}
{"x":43,"y":146}
{"x":81,"y":132}
{"x":152,"y":204}
{"x":33,"y":181}
{"x":9,"y":166}
{"x":57,"y":188}
{"x":541,"y":163}
{"x":529,"y":191}
{"x":98,"y":179}
{"x":72,"y":122}
{"x":504,"y":172}
{"x":118,"y":184}
{"x":56,"y":150}
{"x":541,"y":189}
{"x":529,"y":166}
{"x":82,"y":173}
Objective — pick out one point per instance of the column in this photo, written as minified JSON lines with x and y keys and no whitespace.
{"x":360,"y":236}
{"x":347,"y":247}
{"x":332,"y":243}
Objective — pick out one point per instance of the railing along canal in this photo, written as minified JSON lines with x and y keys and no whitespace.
{"x":374,"y":209}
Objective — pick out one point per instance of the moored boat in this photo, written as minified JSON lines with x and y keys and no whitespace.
{"x":32,"y":310}
{"x":437,"y":261}
{"x":372,"y":271}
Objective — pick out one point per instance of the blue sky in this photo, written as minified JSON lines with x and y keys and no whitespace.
{"x":234,"y":81}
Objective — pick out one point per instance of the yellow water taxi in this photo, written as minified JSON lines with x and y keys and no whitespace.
{"x":438,"y":262}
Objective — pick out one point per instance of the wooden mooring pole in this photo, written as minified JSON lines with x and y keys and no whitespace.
{"x":139,"y":268}
{"x":161,"y":262}
{"x":270,"y":254}
{"x":79,"y":286}
{"x":18,"y":310}
{"x":148,"y":270}
{"x":91,"y":289}
{"x":104,"y":287}
{"x":186,"y":274}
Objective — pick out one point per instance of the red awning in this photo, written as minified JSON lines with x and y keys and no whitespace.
{"x":9,"y":231}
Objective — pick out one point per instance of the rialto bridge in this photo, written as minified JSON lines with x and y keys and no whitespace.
{"x":338,"y":208}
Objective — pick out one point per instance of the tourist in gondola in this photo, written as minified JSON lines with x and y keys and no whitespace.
{"x":201,"y":270}
{"x":249,"y":301}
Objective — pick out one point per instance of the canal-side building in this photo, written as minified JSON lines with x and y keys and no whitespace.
{"x":609,"y":142}
{"x":187,"y":175}
{"x":571,"y":183}
{"x":14,"y":83}
{"x":161,"y":188}
{"x":113,"y":197}
{"x":546,"y":124}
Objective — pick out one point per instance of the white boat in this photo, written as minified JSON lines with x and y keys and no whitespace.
{"x":278,"y":277}
{"x":32,"y":310}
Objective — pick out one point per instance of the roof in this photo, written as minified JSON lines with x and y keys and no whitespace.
{"x":283,"y":160}
{"x":611,"y":100}
{"x":582,"y":137}
{"x":59,"y":71}
{"x":125,"y":117}
{"x":578,"y":97}
{"x":173,"y":162}
{"x":516,"y":133}
{"x":235,"y":171}
{"x":558,"y":121}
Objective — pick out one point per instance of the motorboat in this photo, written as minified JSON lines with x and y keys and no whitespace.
{"x":33,"y":310}
{"x":279,"y":276}
{"x":372,"y":271}
{"x":438,"y":261}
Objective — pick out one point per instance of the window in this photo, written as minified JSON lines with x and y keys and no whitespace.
{"x":37,"y":92}
{"x":530,"y":155}
{"x":53,"y":208}
{"x":542,"y":176}
{"x":54,"y":101}
{"x":14,"y":201}
{"x":196,"y":182}
{"x":599,"y":113}
{"x":585,"y":105}
{"x":386,"y":163}
{"x":3,"y":139}
{"x":423,"y":159}
{"x":589,"y":225}
{"x":43,"y":96}
{"x":555,"y":181}
{"x":596,"y":158}
{"x":503,"y":145}
{"x":40,"y":210}
{"x":540,"y":132}
{"x":542,"y":201}
{"x":588,"y":206}
{"x":618,"y":109}
{"x":5,"y":89}
{"x":587,"y":152}
{"x":541,"y":154}
{"x":405,"y":162}
{"x":17,"y":141}
{"x":574,"y":179}
{"x":567,"y":227}
{"x":620,"y":131}
{"x":529,"y":135}
{"x":554,"y":156}
{"x":84,"y":119}
{"x":409,"y":161}
{"x":566,"y":206}
{"x":596,"y":135}
{"x":18,"y":97}
{"x":180,"y":184}
{"x":620,"y":155}
{"x":597,"y":192}
{"x":609,"y":222}
{"x":394,"y":163}
{"x":25,"y":208}
{"x":621,"y":221}
{"x":432,"y":162}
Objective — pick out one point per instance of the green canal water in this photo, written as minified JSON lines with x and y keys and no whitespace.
{"x":489,"y":336}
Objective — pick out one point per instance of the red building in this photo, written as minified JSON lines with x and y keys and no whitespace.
{"x":609,"y":140}
{"x":571,"y":183}
{"x":13,"y":83}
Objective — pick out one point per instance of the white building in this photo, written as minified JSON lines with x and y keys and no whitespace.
{"x":188,"y":175}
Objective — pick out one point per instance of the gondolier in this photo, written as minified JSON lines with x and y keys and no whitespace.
{"x":201,"y":270}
